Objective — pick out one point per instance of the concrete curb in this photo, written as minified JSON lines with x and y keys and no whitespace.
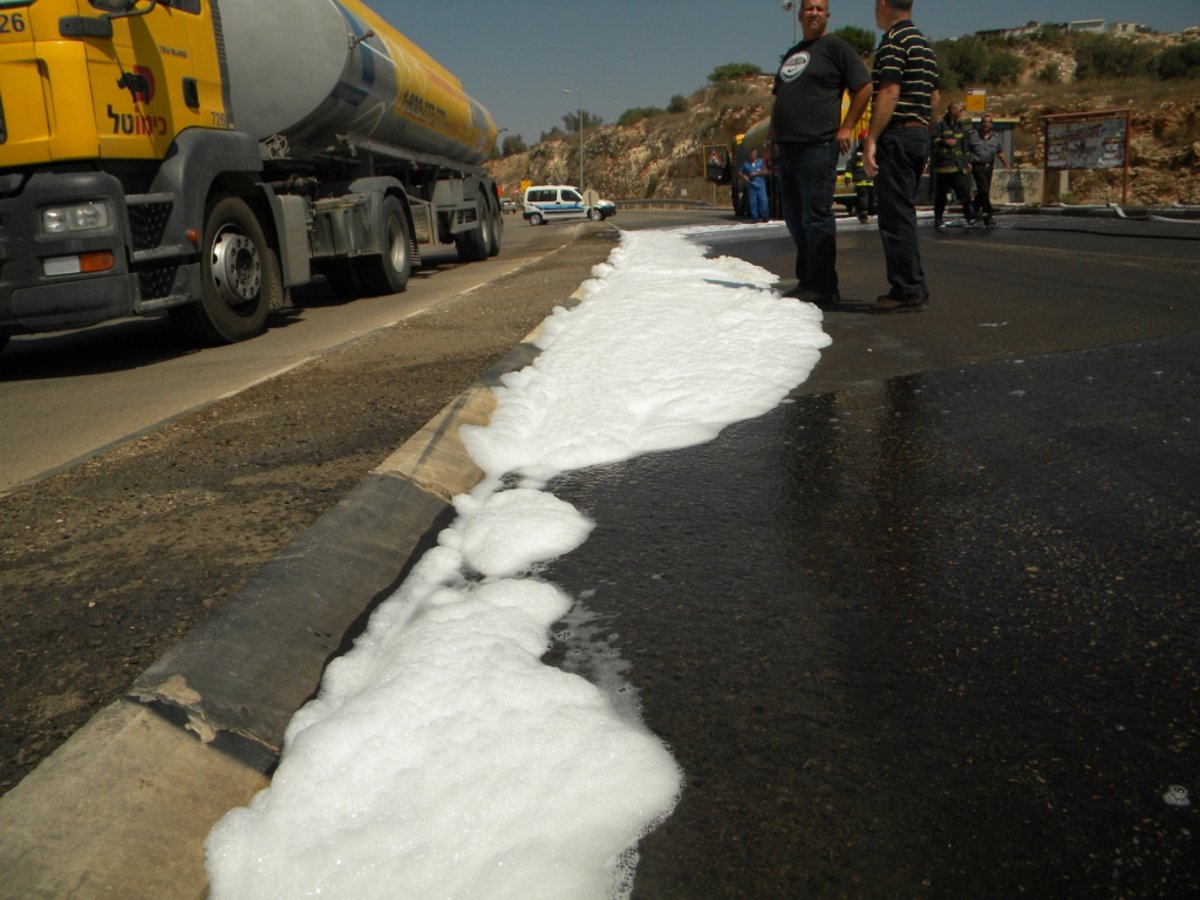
{"x":123,"y":807}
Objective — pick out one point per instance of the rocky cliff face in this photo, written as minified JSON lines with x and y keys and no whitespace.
{"x":1164,"y":162}
{"x":663,"y":156}
{"x":659,"y":157}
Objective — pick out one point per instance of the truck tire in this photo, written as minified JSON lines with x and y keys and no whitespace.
{"x":475,"y":245}
{"x":497,"y":229}
{"x":536,"y":219}
{"x":239,"y":278}
{"x":388,"y":272}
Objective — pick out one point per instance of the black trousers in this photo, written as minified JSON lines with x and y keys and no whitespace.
{"x":901,"y":155}
{"x":982,"y":176}
{"x":951,"y":182}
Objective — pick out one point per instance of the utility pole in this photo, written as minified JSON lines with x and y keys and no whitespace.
{"x":580,"y":96}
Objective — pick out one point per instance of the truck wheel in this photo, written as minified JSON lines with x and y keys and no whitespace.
{"x":388,"y":272}
{"x":239,"y":278}
{"x":595,"y":215}
{"x":497,"y":231}
{"x":474,"y":245}
{"x":536,"y":219}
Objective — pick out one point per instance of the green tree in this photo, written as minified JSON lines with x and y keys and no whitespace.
{"x":514,"y":144}
{"x":1107,"y":56}
{"x":973,"y":60}
{"x":860,"y":39}
{"x":733,"y":71}
{"x":1179,"y":61}
{"x":678,"y":104}
{"x":961,"y":62}
{"x":571,"y":121}
{"x":1052,"y":36}
{"x":1003,"y":68}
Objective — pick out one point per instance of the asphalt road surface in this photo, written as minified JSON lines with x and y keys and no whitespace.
{"x":68,"y":395}
{"x":927,"y":629}
{"x":930,"y":629}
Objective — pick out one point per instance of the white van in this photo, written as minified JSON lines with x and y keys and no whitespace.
{"x":551,"y":202}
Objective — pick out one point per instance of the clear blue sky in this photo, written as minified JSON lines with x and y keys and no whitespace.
{"x":516,"y":56}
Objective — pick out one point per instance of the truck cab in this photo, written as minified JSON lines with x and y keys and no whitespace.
{"x":200,"y":158}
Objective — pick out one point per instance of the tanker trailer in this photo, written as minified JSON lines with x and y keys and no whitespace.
{"x":203,"y":157}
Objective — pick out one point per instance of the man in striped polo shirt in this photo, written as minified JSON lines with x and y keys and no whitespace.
{"x":905,"y":78}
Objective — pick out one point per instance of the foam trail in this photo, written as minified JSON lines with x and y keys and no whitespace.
{"x":441,"y":757}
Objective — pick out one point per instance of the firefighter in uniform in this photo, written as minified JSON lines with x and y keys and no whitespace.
{"x":951,"y":164}
{"x":864,"y":184}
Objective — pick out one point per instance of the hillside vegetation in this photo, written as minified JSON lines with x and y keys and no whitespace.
{"x":658,"y":152}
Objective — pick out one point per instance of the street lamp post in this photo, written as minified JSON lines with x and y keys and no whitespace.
{"x":580,"y":96}
{"x":789,"y":6}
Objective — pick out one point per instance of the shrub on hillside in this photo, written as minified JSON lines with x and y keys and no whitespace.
{"x":1106,"y":56}
{"x":571,"y":121}
{"x":972,"y":60}
{"x":1050,"y":73}
{"x":1003,"y":67}
{"x":1179,"y":61}
{"x":1054,"y":36}
{"x":638,"y":113}
{"x":732,"y":72}
{"x":725,"y":90}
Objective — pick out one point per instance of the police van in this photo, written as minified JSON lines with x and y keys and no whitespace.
{"x":552,"y":202}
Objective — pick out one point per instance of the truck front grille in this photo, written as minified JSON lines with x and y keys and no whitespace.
{"x":147,"y":222}
{"x":156,"y":282}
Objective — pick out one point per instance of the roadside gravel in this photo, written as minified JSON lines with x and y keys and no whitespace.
{"x":105,"y":565}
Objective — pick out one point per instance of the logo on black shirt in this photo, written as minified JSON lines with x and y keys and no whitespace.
{"x":794,"y":66}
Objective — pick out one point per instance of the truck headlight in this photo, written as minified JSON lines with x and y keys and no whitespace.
{"x":93,"y":215}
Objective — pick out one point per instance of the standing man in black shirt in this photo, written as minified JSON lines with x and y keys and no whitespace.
{"x":807,"y":132}
{"x":905,"y":78}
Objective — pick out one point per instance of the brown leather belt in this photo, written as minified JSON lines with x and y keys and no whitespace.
{"x":906,"y":123}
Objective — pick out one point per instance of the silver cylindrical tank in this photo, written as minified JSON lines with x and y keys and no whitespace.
{"x":312,"y":69}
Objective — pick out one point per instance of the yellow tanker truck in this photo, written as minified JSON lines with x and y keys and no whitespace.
{"x":202,"y":157}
